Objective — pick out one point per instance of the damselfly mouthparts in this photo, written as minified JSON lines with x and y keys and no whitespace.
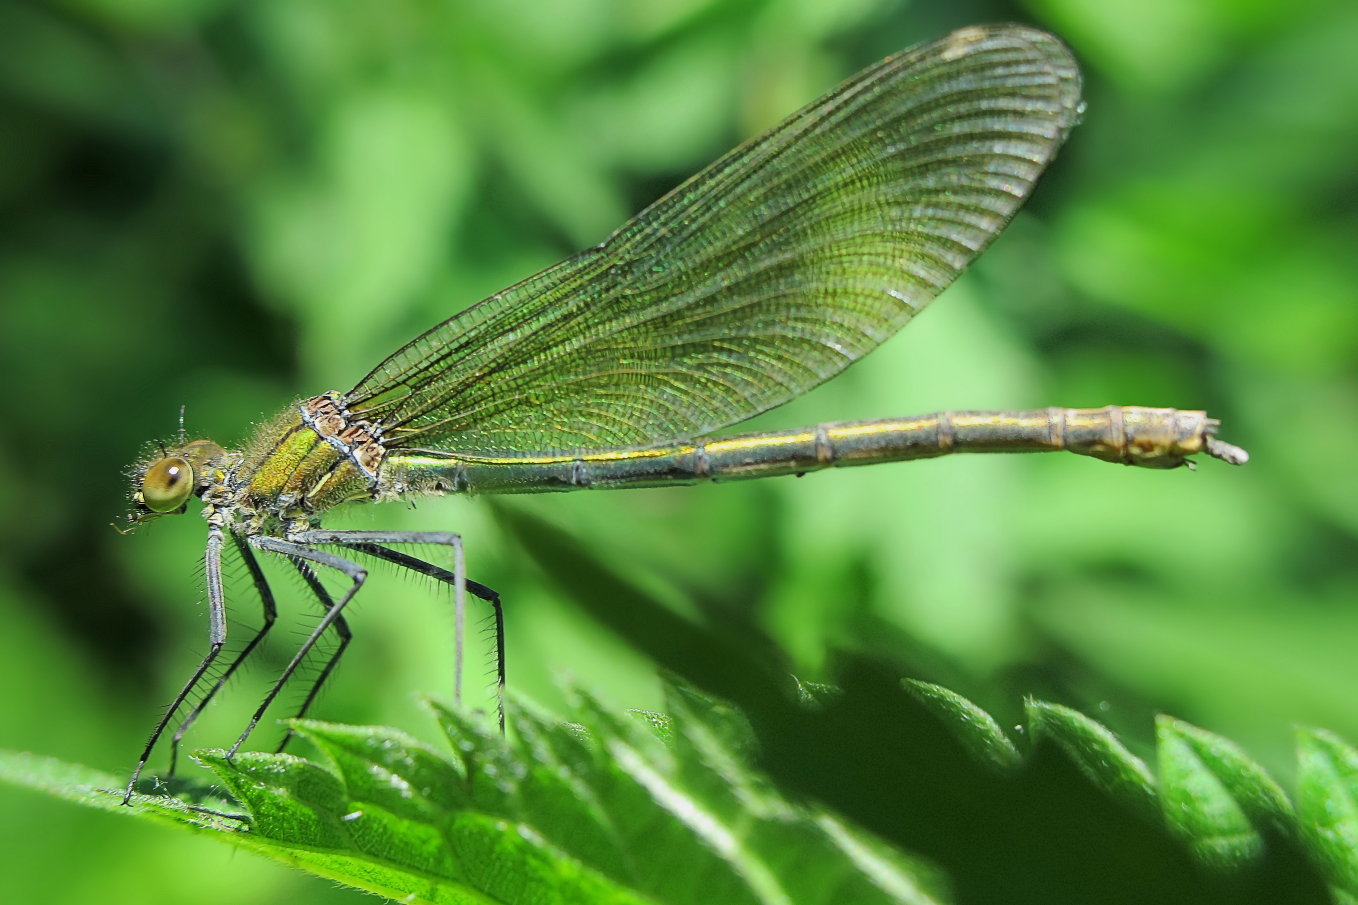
{"x":762,"y":276}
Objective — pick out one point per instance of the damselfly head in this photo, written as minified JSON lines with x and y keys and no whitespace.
{"x":163,"y":483}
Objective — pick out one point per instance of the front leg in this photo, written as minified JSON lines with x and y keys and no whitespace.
{"x":270,"y":616}
{"x":216,"y":600}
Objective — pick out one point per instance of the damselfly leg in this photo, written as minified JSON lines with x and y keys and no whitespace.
{"x":301,"y":552}
{"x":270,"y":615}
{"x":370,"y":543}
{"x":356,"y":574}
{"x":341,"y":628}
{"x":216,"y":600}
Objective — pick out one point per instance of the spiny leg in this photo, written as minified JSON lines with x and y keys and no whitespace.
{"x":356,"y":573}
{"x":475,"y":587}
{"x":441,"y":538}
{"x":216,"y":599}
{"x":370,"y":542}
{"x":341,"y":629}
{"x":270,"y":614}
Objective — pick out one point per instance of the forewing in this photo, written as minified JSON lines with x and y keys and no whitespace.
{"x":762,"y":276}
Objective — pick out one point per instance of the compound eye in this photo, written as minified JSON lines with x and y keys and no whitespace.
{"x":167,"y":484}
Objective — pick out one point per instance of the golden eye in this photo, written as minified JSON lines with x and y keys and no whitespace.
{"x":167,"y":484}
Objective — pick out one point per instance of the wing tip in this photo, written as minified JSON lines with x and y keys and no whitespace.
{"x":1058,"y":55}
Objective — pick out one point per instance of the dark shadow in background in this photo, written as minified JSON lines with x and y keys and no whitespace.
{"x":1044,"y":835}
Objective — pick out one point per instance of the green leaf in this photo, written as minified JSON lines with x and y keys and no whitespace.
{"x":816,"y":694}
{"x":614,"y":807}
{"x":1327,"y":803}
{"x":212,"y":814}
{"x":640,"y":807}
{"x":292,"y":800}
{"x":208,"y":810}
{"x":974,"y":728}
{"x":1213,"y":795}
{"x":1096,"y":751}
{"x":389,"y":768}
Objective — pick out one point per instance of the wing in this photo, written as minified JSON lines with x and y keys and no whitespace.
{"x":762,"y":276}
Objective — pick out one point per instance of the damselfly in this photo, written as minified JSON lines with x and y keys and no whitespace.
{"x":762,"y":276}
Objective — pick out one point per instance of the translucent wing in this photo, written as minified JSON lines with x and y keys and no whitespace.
{"x":762,"y":276}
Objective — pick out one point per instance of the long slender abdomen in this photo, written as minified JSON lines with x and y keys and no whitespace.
{"x":1132,"y":435}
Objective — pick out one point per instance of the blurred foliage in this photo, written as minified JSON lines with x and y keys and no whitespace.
{"x":225,"y":205}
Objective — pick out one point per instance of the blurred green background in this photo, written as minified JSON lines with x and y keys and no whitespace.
{"x":225,"y":205}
